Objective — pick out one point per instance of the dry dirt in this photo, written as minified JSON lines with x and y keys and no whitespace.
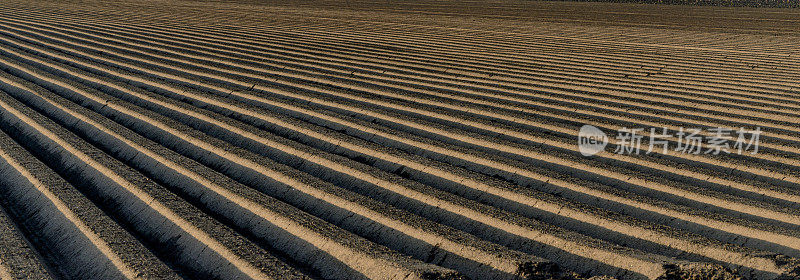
{"x":379,"y":140}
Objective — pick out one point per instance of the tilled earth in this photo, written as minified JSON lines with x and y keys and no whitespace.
{"x":379,"y":140}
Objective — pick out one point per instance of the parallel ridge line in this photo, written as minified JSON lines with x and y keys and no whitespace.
{"x":246,"y":268}
{"x":183,"y":30}
{"x":357,"y":75}
{"x":785,"y":127}
{"x":583,"y":60}
{"x":424,"y":140}
{"x":783,"y":216}
{"x":353,"y":257}
{"x":768,"y":145}
{"x":623,"y":260}
{"x":506,"y":167}
{"x":443,"y":241}
{"x":259,"y":140}
{"x":18,"y":259}
{"x":67,"y":212}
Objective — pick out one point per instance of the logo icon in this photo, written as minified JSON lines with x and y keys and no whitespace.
{"x":591,"y":140}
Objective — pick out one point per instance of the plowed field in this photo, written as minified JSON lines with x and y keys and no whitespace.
{"x":385,"y":140}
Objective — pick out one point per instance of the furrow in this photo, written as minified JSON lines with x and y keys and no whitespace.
{"x":538,"y":176}
{"x":203,"y":246}
{"x":353,"y":76}
{"x":504,"y":225}
{"x":582,"y":61}
{"x":352,"y":31}
{"x":18,"y":259}
{"x":766,"y":145}
{"x":555,"y":208}
{"x":203,"y":184}
{"x":68,"y":224}
{"x":430,"y":140}
{"x":766,"y":101}
{"x":749,"y":208}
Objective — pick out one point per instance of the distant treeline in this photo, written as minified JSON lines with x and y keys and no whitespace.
{"x":731,"y":3}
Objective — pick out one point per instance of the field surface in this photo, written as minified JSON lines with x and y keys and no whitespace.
{"x":374,"y":139}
